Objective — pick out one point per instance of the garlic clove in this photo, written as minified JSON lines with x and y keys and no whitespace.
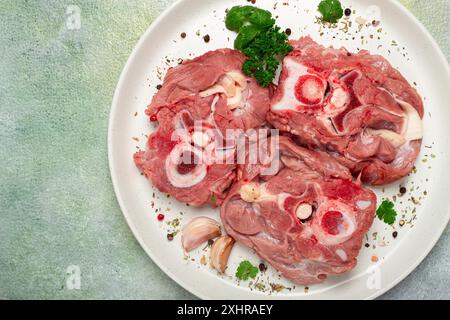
{"x":250,"y":192}
{"x":220,"y":252}
{"x":198,"y":231}
{"x":304,"y":211}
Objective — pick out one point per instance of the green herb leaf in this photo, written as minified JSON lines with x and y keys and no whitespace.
{"x":246,"y":270}
{"x":261,"y":18}
{"x":213,"y":199}
{"x":262,"y":53}
{"x":260,"y":40}
{"x":386,"y":212}
{"x":331,"y":10}
{"x":245,"y":36}
{"x":240,"y":16}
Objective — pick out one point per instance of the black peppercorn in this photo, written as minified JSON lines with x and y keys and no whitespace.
{"x":262,"y":267}
{"x":288,"y":31}
{"x":170,"y":236}
{"x":207,"y":38}
{"x":395,"y":234}
{"x":348,"y":12}
{"x":183,"y":35}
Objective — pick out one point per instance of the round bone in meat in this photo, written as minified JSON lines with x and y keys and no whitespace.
{"x":189,"y":179}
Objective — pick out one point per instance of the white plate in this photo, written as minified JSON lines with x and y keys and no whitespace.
{"x":406,"y":44}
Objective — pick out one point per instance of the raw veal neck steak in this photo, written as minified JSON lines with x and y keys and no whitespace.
{"x":308,"y":220}
{"x":190,"y":155}
{"x":357,"y":107}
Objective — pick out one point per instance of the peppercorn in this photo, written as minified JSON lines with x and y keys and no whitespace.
{"x":170,"y":236}
{"x":158,"y":87}
{"x":348,"y":12}
{"x":288,"y":31}
{"x":402,"y":190}
{"x":207,"y":38}
{"x":210,"y":242}
{"x":183,"y":35}
{"x":395,"y":234}
{"x":262,"y":267}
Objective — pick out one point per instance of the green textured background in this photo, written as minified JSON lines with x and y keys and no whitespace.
{"x":57,"y":203}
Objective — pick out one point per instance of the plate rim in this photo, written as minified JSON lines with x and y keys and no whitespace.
{"x":115,"y":105}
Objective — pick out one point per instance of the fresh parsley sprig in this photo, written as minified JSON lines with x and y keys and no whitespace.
{"x":386,"y":212}
{"x":331,"y":10}
{"x":260,"y":40}
{"x":246,"y":270}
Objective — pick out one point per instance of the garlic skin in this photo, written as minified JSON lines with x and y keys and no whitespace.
{"x":220,"y":252}
{"x":198,"y":231}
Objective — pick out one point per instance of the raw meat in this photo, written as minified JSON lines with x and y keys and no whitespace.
{"x":357,"y":107}
{"x":190,"y":156}
{"x":307,"y":221}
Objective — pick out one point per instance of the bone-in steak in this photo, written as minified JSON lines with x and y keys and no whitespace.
{"x":307,"y":221}
{"x":357,"y":107}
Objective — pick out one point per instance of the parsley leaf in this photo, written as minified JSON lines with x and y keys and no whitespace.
{"x":262,"y":53}
{"x":260,"y":40}
{"x":331,"y":10}
{"x":213,"y":199}
{"x":240,"y":16}
{"x":246,"y":270}
{"x":386,"y":212}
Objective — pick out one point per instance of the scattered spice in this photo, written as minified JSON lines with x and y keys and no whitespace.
{"x":210,"y":242}
{"x":348,"y":12}
{"x":160,"y":217}
{"x":262,"y":267}
{"x":277,"y":287}
{"x":260,"y":286}
{"x":402,"y":190}
{"x":395,"y":234}
{"x":207,"y":38}
{"x":203,"y":260}
{"x":158,"y":87}
{"x":367,"y":245}
{"x":183,"y":35}
{"x":170,"y":236}
{"x":288,"y":31}
{"x":401,"y":223}
{"x":374,"y":259}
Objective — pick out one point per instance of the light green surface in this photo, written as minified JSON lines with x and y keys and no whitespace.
{"x":57,"y":203}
